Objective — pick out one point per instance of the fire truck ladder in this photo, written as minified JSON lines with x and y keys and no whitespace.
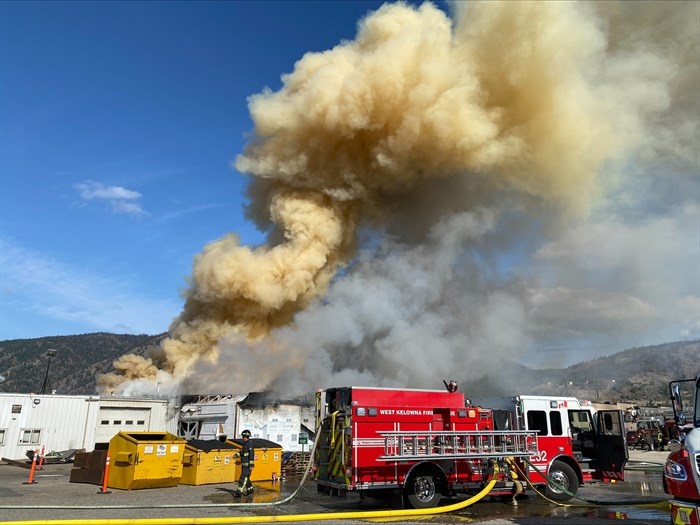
{"x":407,"y":446}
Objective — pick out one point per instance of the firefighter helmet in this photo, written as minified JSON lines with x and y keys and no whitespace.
{"x":245,"y":433}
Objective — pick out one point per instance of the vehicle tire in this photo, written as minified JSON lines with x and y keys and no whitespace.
{"x":422,"y":492}
{"x":564,"y":476}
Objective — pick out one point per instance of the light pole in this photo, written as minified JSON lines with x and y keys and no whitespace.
{"x":50,"y":353}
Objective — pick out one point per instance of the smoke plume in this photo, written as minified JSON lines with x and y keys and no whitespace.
{"x":394,"y":171}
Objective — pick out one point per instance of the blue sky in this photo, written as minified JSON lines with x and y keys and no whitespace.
{"x":119,"y":124}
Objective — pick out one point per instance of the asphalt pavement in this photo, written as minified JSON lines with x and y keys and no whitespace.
{"x":52,"y":497}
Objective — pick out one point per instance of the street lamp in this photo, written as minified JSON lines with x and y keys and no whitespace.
{"x":50,"y":353}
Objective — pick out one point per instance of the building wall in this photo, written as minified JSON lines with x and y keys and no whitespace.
{"x":28,"y":422}
{"x":201,"y":419}
{"x":132,"y":415}
{"x":58,"y":422}
{"x":280,"y":424}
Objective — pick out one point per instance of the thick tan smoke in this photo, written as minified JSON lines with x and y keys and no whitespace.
{"x":519,"y":96}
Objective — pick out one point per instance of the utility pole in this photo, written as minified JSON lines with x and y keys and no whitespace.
{"x":50,"y":353}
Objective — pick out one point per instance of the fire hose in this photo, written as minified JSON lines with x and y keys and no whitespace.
{"x":169,"y":506}
{"x":574,"y":496}
{"x":247,"y":519}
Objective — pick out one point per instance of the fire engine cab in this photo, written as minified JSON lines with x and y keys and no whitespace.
{"x":576,"y":444}
{"x":419,"y":445}
{"x":682,"y":469}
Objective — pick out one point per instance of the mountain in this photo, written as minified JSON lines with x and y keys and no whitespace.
{"x":637,"y":375}
{"x":77,"y":360}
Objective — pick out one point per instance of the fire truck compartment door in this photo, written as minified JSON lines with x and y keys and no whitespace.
{"x":612,"y":448}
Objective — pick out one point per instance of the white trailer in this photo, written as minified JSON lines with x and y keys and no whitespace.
{"x":62,"y":422}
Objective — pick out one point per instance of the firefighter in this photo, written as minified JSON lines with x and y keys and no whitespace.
{"x":247,"y":456}
{"x":649,"y":437}
{"x":452,"y":386}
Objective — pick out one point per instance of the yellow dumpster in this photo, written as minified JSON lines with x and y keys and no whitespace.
{"x":208,"y":461}
{"x":144,"y":460}
{"x":268,"y":459}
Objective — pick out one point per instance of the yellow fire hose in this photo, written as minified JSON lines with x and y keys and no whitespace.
{"x":587,"y":502}
{"x":268,"y":519}
{"x":263,"y":519}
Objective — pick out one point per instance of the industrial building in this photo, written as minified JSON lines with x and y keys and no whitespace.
{"x":30,"y":422}
{"x":279,"y":421}
{"x":62,"y":422}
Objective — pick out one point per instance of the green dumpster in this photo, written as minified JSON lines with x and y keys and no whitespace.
{"x":144,"y":460}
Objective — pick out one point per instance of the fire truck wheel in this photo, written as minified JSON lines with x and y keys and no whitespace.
{"x":564,"y":476}
{"x":422,"y":492}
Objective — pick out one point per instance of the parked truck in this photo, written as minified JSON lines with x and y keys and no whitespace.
{"x":682,"y":469}
{"x":651,"y":433}
{"x":416,"y":446}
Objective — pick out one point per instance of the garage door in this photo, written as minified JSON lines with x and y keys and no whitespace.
{"x":112,"y":420}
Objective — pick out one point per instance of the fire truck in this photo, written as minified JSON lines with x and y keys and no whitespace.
{"x":682,"y":469}
{"x":415,"y":446}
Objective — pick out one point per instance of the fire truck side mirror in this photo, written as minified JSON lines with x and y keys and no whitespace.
{"x":674,"y":446}
{"x":676,"y":397}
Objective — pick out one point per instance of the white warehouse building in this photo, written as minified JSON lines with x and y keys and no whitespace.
{"x":64,"y":422}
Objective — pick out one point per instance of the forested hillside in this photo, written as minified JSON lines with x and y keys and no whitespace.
{"x":72,"y":370}
{"x":638,"y":375}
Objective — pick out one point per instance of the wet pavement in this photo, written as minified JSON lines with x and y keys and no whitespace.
{"x":638,"y":500}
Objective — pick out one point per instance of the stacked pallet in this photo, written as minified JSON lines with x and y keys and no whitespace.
{"x":296,"y":464}
{"x":89,"y":467}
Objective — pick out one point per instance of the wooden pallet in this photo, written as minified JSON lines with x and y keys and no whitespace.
{"x":296,"y":466}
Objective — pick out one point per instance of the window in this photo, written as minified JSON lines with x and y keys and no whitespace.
{"x":294,"y":438}
{"x":555,"y":423}
{"x":140,"y":422}
{"x":129,"y":422}
{"x":30,"y":436}
{"x":611,"y":425}
{"x":537,"y":420}
{"x":580,"y":420}
{"x":2,"y":436}
{"x":279,"y":438}
{"x":104,"y":422}
{"x":117,"y":421}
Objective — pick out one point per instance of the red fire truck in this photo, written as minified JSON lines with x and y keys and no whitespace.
{"x":419,"y":445}
{"x":682,"y":469}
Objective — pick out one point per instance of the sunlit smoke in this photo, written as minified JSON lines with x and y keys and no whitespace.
{"x":432,"y":141}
